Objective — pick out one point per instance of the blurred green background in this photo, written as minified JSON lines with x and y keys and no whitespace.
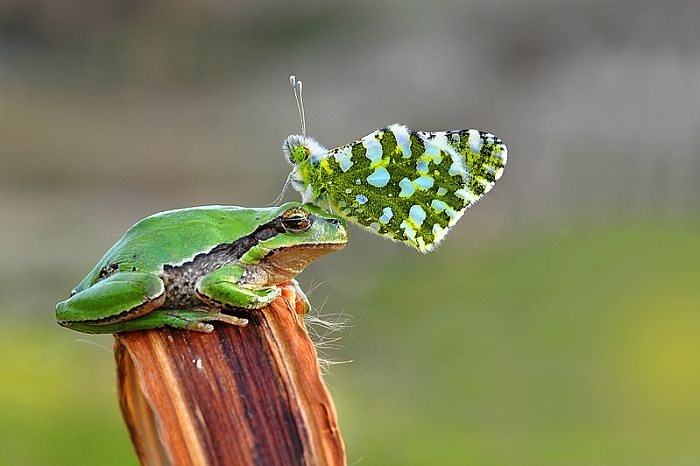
{"x":557,"y":325}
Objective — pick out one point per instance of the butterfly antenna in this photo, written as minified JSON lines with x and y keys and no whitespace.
{"x":296,"y":88}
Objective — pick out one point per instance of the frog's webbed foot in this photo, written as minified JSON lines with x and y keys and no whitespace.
{"x":223,"y":288}
{"x":198,"y":320}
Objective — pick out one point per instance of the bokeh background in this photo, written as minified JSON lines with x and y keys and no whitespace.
{"x":557,"y":325}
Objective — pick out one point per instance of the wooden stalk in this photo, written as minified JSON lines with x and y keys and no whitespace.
{"x":237,"y":396}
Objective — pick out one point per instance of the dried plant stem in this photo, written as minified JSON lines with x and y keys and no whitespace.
{"x":238,"y":396}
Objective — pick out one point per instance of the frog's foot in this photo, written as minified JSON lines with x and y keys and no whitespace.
{"x":198,"y":320}
{"x":223,"y":288}
{"x":301,"y":301}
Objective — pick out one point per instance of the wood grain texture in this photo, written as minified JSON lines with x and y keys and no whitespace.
{"x":237,"y":396}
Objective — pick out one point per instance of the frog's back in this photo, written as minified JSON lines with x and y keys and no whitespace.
{"x":177,"y":236}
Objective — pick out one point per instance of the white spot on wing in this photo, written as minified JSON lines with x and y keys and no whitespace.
{"x":457,"y":168}
{"x":438,"y":205}
{"x":474,"y":140}
{"x":466,"y":195}
{"x":374,"y":148}
{"x":387,"y":215}
{"x":424,"y":182}
{"x":408,"y":230}
{"x":417,"y":214}
{"x":454,"y":215}
{"x":361,"y":199}
{"x":403,"y":139}
{"x":438,"y":232}
{"x":407,"y":188}
{"x":379,"y":178}
{"x":432,"y":150}
{"x":344,"y":158}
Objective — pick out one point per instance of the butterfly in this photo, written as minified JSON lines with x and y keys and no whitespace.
{"x":406,"y":185}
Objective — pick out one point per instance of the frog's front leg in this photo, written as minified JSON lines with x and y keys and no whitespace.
{"x":227,"y":287}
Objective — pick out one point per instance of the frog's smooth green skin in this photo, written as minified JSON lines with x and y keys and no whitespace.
{"x":182,"y":268}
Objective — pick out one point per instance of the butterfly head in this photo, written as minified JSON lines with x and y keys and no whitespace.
{"x":300,"y":149}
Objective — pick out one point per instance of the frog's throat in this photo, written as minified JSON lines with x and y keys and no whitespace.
{"x":286,"y":263}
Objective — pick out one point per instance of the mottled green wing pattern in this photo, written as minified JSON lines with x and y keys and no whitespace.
{"x":485,"y":156}
{"x":410,"y":186}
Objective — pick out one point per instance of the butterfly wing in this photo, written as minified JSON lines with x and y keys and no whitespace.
{"x":485,"y":156}
{"x":411,"y":186}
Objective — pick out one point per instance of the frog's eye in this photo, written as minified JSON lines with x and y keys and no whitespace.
{"x":296,"y":220}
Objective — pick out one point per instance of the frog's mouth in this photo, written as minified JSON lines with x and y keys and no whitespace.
{"x":285,"y":263}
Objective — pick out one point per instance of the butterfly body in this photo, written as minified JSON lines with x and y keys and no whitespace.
{"x":410,"y":186}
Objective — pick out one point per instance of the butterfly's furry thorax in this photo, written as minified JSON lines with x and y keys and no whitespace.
{"x":305,"y":154}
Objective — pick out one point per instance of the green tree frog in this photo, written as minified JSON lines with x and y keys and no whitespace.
{"x":184,"y":268}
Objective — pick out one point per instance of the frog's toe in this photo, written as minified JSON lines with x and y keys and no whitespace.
{"x":267,"y":295}
{"x":233,"y":320}
{"x":198,"y":320}
{"x":199,"y":327}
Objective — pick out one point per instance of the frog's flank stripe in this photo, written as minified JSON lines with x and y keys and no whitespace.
{"x":228,"y":252}
{"x":180,"y":279}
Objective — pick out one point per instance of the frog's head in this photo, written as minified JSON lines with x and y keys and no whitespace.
{"x":305,"y":233}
